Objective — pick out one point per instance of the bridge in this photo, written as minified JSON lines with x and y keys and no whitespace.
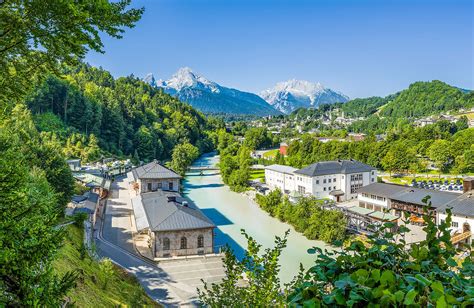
{"x":201,"y":169}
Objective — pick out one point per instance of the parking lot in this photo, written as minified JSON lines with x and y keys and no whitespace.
{"x":441,"y":185}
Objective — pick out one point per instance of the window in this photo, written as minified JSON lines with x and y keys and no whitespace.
{"x":324,"y":188}
{"x":373,"y":180}
{"x":149,"y":186}
{"x":355,"y":187}
{"x":170,"y":185}
{"x":200,"y":241}
{"x":301,"y":189}
{"x":329,"y":180}
{"x":324,"y":181}
{"x":166,"y":243}
{"x":329,"y":188}
{"x":454,"y":224}
{"x":356,"y":177}
{"x":184,"y":243}
{"x":317,"y":182}
{"x":372,"y":172}
{"x":334,"y":180}
{"x":160,"y":185}
{"x":334,"y":187}
{"x":343,"y":177}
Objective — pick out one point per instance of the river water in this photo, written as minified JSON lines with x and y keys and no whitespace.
{"x":232,"y":212}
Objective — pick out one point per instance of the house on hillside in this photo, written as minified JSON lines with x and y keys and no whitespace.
{"x":174,"y":225}
{"x":154,"y":176}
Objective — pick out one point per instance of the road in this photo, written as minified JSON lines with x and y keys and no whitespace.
{"x":171,"y":283}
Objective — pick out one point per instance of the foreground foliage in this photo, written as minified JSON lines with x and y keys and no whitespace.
{"x":37,"y":35}
{"x":252,"y":282}
{"x":385,"y":273}
{"x":35,"y":183}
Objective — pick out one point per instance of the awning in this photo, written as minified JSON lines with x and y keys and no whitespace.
{"x":336,"y":192}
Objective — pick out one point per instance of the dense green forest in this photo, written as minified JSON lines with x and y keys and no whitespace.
{"x":86,"y":107}
{"x":427,"y":98}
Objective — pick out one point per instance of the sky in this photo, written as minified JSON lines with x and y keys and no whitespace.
{"x":361,"y":48}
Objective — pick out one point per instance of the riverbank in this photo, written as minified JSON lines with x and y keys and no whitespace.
{"x":231,"y":212}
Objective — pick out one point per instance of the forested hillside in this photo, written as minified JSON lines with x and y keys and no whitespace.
{"x":427,"y":98}
{"x":88,"y":109}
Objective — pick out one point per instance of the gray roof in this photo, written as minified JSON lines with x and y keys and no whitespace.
{"x":156,"y":211}
{"x":382,"y":189}
{"x":281,"y":168}
{"x":462,"y":205}
{"x":335,"y":167}
{"x":154,"y":170}
{"x":409,"y":194}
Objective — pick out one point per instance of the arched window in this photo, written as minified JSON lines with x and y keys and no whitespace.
{"x":166,"y":243}
{"x":200,"y":241}
{"x":184,"y":243}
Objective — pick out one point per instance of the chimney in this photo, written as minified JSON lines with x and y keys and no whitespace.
{"x":185,"y":203}
{"x":171,"y":198}
{"x":468,"y":184}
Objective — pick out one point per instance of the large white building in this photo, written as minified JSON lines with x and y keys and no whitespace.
{"x":337,"y":180}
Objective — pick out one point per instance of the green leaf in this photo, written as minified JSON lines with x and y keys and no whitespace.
{"x":375,"y":274}
{"x":441,"y":302}
{"x":399,"y":295}
{"x":421,"y":279}
{"x":437,"y":286}
{"x":387,"y":278}
{"x":410,"y":297}
{"x":451,"y":262}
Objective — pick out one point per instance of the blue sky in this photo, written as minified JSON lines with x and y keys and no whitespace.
{"x":361,"y":48}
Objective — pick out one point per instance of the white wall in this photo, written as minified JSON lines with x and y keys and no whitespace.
{"x":318,"y":186}
{"x":383,"y":203}
{"x":460,"y":220}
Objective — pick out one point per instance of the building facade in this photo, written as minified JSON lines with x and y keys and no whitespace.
{"x":154,"y":176}
{"x":398,"y":200}
{"x":174,"y":225}
{"x":336,"y":180}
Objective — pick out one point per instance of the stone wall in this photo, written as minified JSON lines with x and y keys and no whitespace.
{"x":191,"y":239}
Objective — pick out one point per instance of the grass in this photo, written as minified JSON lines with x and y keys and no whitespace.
{"x":122,"y":290}
{"x":256,"y":174}
{"x":270,"y":154}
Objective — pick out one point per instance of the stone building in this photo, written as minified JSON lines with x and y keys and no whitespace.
{"x":175,"y":226}
{"x":153,"y":176}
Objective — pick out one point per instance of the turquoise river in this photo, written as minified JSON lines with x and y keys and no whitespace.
{"x":232,"y":212}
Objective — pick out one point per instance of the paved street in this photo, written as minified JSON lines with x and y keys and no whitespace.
{"x":117,"y":228}
{"x":172,"y":283}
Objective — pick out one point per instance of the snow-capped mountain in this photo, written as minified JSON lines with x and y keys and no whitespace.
{"x":293,"y":94}
{"x":210,"y":97}
{"x":150,"y":79}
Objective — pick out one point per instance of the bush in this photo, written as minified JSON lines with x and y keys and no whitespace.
{"x":79,"y":219}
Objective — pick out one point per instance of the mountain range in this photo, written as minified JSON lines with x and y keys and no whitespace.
{"x":210,"y":97}
{"x":293,"y":94}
